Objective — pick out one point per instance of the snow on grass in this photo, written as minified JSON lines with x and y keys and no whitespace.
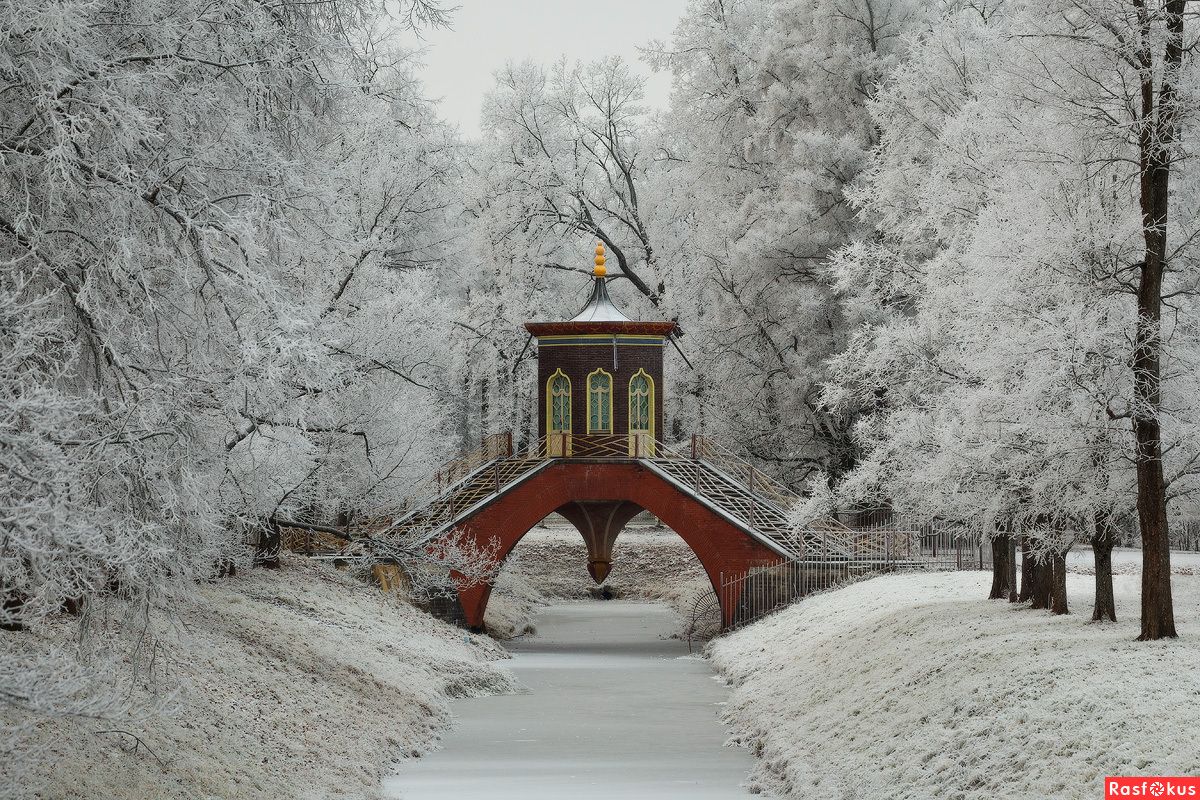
{"x":1128,"y":561}
{"x":302,"y":683}
{"x":913,"y":686}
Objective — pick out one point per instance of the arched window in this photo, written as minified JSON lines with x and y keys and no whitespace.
{"x":641,"y":414}
{"x":558,"y":414}
{"x":599,"y":393}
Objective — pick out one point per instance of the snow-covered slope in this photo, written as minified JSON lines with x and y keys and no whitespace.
{"x":912,"y":686}
{"x":302,"y":683}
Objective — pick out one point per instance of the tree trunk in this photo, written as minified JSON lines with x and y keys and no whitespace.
{"x":1158,"y":131}
{"x":1102,"y":547}
{"x":1043,"y":579}
{"x":267,"y":548}
{"x":999,"y":567}
{"x":1011,"y":566}
{"x":13,"y":602}
{"x":1037,"y":582}
{"x":1058,"y":582}
{"x":1027,"y":572}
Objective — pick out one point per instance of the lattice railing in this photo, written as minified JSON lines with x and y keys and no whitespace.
{"x":485,"y":481}
{"x":708,"y":470}
{"x":708,"y":449}
{"x":757,"y":513}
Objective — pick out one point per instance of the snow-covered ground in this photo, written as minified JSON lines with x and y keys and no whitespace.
{"x":912,"y":686}
{"x":296,"y":684}
{"x":614,"y":709}
{"x":1128,"y":560}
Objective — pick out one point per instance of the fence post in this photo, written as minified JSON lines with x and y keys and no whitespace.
{"x":720,"y":596}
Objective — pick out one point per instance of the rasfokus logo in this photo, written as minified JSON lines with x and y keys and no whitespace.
{"x":1151,"y":786}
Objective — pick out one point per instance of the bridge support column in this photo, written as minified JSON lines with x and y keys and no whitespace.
{"x":474,"y":600}
{"x":599,"y":522}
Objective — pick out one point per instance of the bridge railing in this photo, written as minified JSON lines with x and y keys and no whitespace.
{"x":462,"y":483}
{"x":705,"y":448}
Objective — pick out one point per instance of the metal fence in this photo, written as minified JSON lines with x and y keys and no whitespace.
{"x":755,"y":593}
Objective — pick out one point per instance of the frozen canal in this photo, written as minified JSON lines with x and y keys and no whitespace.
{"x":614,"y":710}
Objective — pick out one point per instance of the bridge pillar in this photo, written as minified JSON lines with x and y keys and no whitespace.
{"x":599,"y":522}
{"x":474,"y":600}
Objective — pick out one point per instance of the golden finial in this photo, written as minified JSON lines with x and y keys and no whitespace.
{"x":599,"y":271}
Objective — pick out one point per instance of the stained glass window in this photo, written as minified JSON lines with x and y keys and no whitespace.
{"x":560,"y":402}
{"x":640,"y":402}
{"x":599,"y":402}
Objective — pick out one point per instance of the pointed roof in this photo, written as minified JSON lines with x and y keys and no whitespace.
{"x":601,"y":314}
{"x":600,"y":308}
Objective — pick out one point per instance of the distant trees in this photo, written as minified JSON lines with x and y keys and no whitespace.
{"x":768,"y":126}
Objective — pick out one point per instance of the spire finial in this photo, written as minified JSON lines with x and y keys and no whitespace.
{"x":599,"y":271}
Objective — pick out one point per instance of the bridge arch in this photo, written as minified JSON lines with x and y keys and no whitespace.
{"x":719,"y":545}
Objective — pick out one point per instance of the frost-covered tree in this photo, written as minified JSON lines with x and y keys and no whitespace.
{"x":561,"y":165}
{"x":768,"y":124}
{"x":1010,"y":186}
{"x":218,"y":227}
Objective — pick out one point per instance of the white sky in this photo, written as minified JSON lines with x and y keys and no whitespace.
{"x":487,"y":33}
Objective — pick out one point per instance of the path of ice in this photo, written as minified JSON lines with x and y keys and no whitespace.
{"x":615,"y":709}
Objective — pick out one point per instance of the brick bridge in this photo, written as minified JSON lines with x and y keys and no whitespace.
{"x":599,"y":460}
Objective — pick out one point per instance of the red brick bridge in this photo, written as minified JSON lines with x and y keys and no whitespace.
{"x":599,"y":461}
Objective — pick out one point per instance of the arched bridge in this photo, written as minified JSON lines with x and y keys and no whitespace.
{"x":733,"y":516}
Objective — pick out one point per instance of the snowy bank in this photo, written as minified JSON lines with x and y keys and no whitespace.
{"x":301,"y":683}
{"x":912,"y":686}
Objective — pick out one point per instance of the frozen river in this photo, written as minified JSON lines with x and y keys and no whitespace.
{"x":614,"y":709}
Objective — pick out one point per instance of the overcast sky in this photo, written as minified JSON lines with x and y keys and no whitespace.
{"x":487,"y":33}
